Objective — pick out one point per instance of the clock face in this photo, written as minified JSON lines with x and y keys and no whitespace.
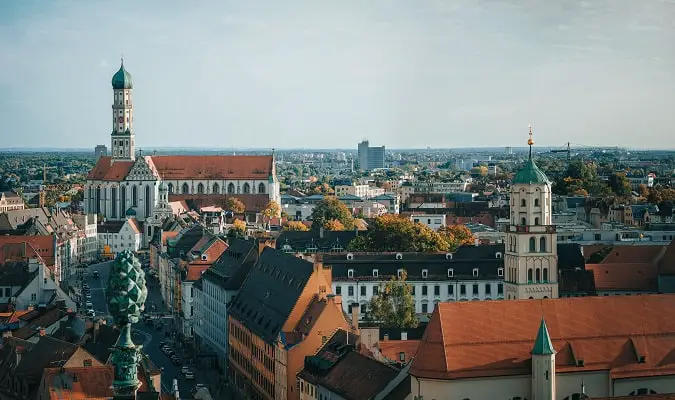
{"x":120,"y":119}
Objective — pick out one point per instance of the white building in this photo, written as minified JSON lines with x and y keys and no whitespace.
{"x":362,"y":191}
{"x":11,"y":201}
{"x":125,"y":181}
{"x":531,"y":259}
{"x":408,"y":189}
{"x":87,"y":243}
{"x":433,"y":221}
{"x":118,"y":236}
{"x":42,"y":289}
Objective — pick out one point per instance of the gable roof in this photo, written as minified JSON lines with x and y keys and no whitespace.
{"x":232,"y":267}
{"x":324,"y":241}
{"x":634,"y":254}
{"x":105,"y":170}
{"x":482,"y":339}
{"x":625,"y":276}
{"x":214,"y":167}
{"x":270,"y":292}
{"x":80,"y":383}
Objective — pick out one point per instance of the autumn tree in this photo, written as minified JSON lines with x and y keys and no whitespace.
{"x":394,"y":306}
{"x":235,"y":205}
{"x":643,"y":190}
{"x":330,"y":208}
{"x":393,"y":233}
{"x":295,"y":226}
{"x":238,"y":228}
{"x":456,"y":235}
{"x":619,"y":184}
{"x":333,"y":225}
{"x":272,"y":209}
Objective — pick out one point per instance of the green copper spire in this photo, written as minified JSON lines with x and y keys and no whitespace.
{"x":530,"y":173}
{"x":126,"y":298}
{"x":543,"y":345}
{"x":122,"y":78}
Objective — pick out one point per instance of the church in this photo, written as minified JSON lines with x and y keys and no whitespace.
{"x":127,"y":183}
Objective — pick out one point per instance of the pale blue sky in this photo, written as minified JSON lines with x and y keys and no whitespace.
{"x":318,"y":74}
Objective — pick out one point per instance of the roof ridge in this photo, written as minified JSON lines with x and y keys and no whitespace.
{"x":445,"y":354}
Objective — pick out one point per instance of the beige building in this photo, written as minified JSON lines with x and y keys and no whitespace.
{"x":362,"y":191}
{"x":549,"y":349}
{"x":10,"y":201}
{"x":531,"y":260}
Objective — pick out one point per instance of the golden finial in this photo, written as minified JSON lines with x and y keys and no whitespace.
{"x":530,"y":141}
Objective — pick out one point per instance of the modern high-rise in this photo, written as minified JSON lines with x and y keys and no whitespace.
{"x":370,"y":158}
{"x":100,"y":151}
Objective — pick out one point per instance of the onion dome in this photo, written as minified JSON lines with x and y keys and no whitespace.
{"x":530,"y":173}
{"x":122,"y":79}
{"x":130,"y":212}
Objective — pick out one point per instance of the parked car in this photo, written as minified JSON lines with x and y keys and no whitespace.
{"x":89,"y":305}
{"x":91,"y":313}
{"x":184,"y":370}
{"x":189,"y":376}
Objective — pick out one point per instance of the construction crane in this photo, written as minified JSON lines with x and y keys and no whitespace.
{"x":567,"y":150}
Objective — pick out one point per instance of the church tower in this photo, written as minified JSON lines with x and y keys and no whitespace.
{"x":531,"y":260}
{"x":122,"y":137}
{"x":543,"y":366}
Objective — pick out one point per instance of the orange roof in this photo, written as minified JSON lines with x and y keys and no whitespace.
{"x":252,"y":202}
{"x":106,"y":171}
{"x":625,"y":276}
{"x":194,"y":272}
{"x":667,"y":261}
{"x":392,"y":348}
{"x":35,"y":246}
{"x":90,"y":383}
{"x":213,"y":167}
{"x":634,"y":254}
{"x":134,"y":225}
{"x":494,"y":338}
{"x":168,"y":235}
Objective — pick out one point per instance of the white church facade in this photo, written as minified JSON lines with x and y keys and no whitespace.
{"x":126,"y":182}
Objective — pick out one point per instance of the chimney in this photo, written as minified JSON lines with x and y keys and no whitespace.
{"x":404,"y":335}
{"x":19,"y":350}
{"x":42,"y":331}
{"x":335,"y":298}
{"x":321,"y":232}
{"x":476,"y":242}
{"x":355,"y":316}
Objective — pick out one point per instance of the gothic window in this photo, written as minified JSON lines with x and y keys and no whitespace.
{"x":533,"y":245}
{"x":536,"y":202}
{"x":134,"y":196}
{"x":522,"y":221}
{"x":200,"y":188}
{"x":529,"y":275}
{"x":230,"y":188}
{"x":170,"y":188}
{"x":536,"y":220}
{"x":261,"y":188}
{"x":642,"y":391}
{"x":247,"y":188}
{"x":216,"y":188}
{"x":545,"y":275}
{"x":147,"y":200}
{"x":542,"y":244}
{"x":123,"y":199}
{"x":537,"y":275}
{"x":522,"y":202}
{"x":113,"y":195}
{"x":186,"y":188}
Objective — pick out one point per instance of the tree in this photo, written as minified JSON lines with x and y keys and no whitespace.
{"x":643,"y":190}
{"x":394,"y":306}
{"x":271,"y":210}
{"x":331,"y":208}
{"x":456,"y":235}
{"x":235,"y":205}
{"x":333,"y":225}
{"x":295,"y":226}
{"x":394,"y":233}
{"x":619,"y":184}
{"x":238,"y":228}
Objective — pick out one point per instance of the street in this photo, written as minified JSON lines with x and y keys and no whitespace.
{"x":143,"y":334}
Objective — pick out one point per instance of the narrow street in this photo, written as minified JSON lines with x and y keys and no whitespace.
{"x":147,"y":335}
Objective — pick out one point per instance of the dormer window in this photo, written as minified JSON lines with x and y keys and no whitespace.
{"x":475,"y":272}
{"x":425,"y":273}
{"x":498,"y":255}
{"x":376,"y":273}
{"x":350,"y":273}
{"x":451,"y":272}
{"x":204,"y":257}
{"x":399,"y":256}
{"x":399,"y":273}
{"x":500,"y":271}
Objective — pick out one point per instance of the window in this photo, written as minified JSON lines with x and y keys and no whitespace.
{"x":134,"y":196}
{"x":642,"y":391}
{"x":412,"y":290}
{"x":437,"y":290}
{"x":147,"y":200}
{"x":350,"y":291}
{"x":376,"y":291}
{"x":537,"y":275}
{"x":425,"y":273}
{"x":462,"y":290}
{"x":186,"y":189}
{"x":399,"y":273}
{"x":536,"y":220}
{"x":424,"y":290}
{"x":200,"y":188}
{"x":529,"y":275}
{"x":475,"y":272}
{"x":338,"y":290}
{"x":376,"y":273}
{"x":522,"y":221}
{"x":425,"y":308}
{"x":522,"y":203}
{"x":451,"y":290}
{"x":363,"y":290}
{"x":451,"y":272}
{"x":533,"y":245}
{"x":170,"y":188}
{"x":230,"y":188}
{"x":500,"y":288}
{"x":350,"y":273}
{"x":247,"y":188}
{"x":475,"y":289}
{"x":261,"y":188}
{"x":216,"y":188}
{"x":536,"y":202}
{"x":545,"y":275}
{"x":542,"y":245}
{"x":33,"y":297}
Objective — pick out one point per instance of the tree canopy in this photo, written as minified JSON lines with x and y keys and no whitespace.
{"x":456,"y":235}
{"x":238,"y":228}
{"x":394,"y":305}
{"x":295,"y":226}
{"x":235,"y":205}
{"x":272,"y":209}
{"x":334,"y":225}
{"x":330,"y":208}
{"x":393,"y":233}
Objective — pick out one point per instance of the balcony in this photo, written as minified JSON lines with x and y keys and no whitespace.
{"x":531,"y":229}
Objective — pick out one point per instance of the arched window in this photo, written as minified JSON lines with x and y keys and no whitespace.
{"x":522,"y":203}
{"x":113,"y":197}
{"x":123,"y":199}
{"x":529,"y":275}
{"x":247,"y":188}
{"x":147,"y":200}
{"x":170,"y":188}
{"x":134,"y":196}
{"x":536,"y":202}
{"x":542,"y":244}
{"x":186,"y":189}
{"x":230,"y":188}
{"x":537,"y":275}
{"x":536,"y":220}
{"x":642,"y":391}
{"x":200,"y":188}
{"x":261,"y":188}
{"x":216,"y":188}
{"x":545,"y":275}
{"x":98,"y":200}
{"x":522,"y":221}
{"x":533,"y":245}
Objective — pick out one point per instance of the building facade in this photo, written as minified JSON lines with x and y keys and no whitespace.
{"x":370,"y":158}
{"x":10,"y":201}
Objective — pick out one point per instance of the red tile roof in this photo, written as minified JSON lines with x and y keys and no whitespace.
{"x":634,"y":254}
{"x":29,"y":247}
{"x":194,"y":272}
{"x":625,"y":276}
{"x":482,"y":339}
{"x":90,"y":383}
{"x":667,"y":261}
{"x":214,"y":167}
{"x":252,"y":202}
{"x":391,"y":349}
{"x":106,"y":171}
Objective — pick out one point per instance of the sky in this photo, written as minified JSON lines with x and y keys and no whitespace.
{"x":326,"y":74}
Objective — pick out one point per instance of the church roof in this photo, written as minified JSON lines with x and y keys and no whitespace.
{"x":122,"y":79}
{"x":530,"y":174}
{"x":542,"y":344}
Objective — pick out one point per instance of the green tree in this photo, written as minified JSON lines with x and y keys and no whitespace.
{"x":619,"y":184}
{"x":235,"y":205}
{"x":295,"y":226}
{"x":394,"y":233}
{"x":331,"y":208}
{"x":394,"y":306}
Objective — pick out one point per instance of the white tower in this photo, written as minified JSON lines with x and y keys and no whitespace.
{"x":122,"y":137}
{"x":543,"y":366}
{"x":160,"y":213}
{"x":531,"y":259}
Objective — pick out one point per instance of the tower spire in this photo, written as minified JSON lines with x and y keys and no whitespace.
{"x":122,"y":60}
{"x":530,"y":141}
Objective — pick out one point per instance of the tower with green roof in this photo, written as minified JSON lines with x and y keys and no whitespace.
{"x":122,"y":139}
{"x":531,"y":257}
{"x":543,"y":365}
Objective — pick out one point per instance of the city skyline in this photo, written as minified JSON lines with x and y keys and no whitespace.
{"x":300,"y":75}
